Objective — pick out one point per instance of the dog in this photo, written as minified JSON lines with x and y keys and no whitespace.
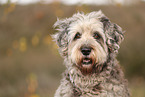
{"x":89,"y":44}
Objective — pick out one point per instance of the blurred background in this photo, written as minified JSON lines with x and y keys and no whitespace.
{"x":30,"y":65}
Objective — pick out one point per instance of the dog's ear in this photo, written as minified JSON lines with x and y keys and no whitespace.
{"x":113,"y":33}
{"x":61,"y":37}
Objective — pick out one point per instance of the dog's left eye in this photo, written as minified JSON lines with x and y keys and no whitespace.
{"x":77,"y":36}
{"x":96,"y":36}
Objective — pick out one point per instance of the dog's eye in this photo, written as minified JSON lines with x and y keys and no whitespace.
{"x":77,"y":36}
{"x":97,"y":36}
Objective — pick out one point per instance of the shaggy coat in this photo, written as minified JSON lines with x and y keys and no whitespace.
{"x":103,"y":77}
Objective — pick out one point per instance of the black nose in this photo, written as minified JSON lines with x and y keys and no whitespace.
{"x":86,"y":50}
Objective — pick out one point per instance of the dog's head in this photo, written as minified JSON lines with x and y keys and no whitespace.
{"x":87,"y":40}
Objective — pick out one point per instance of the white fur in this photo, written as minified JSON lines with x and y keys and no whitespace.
{"x":86,"y":26}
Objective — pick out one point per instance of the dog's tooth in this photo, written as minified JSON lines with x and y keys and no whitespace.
{"x":86,"y":61}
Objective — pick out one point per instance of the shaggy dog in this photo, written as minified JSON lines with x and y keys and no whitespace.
{"x":89,"y":44}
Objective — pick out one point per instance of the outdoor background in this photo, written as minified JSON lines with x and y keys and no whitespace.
{"x":30,"y":65}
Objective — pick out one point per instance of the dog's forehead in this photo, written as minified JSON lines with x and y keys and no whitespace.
{"x":87,"y":25}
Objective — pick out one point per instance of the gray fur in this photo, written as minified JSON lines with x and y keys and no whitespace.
{"x":108,"y":80}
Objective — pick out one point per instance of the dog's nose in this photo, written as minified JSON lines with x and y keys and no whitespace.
{"x":86,"y":50}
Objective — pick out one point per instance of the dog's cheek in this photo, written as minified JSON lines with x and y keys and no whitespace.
{"x":74,"y":53}
{"x":99,"y":54}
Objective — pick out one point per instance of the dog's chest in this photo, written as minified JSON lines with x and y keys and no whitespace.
{"x":86,"y":85}
{"x":93,"y":86}
{"x":96,"y":88}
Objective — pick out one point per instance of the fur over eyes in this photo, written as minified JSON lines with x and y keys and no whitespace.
{"x":113,"y":32}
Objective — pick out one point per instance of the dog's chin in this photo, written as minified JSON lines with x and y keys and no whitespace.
{"x":86,"y":65}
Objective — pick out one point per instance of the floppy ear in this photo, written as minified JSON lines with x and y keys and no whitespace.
{"x":61,"y":37}
{"x":113,"y":33}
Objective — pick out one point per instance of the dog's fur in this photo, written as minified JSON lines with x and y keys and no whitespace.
{"x":97,"y":74}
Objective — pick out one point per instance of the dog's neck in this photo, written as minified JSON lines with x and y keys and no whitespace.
{"x":86,"y":81}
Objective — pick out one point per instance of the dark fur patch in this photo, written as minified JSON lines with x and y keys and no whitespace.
{"x":114,"y":34}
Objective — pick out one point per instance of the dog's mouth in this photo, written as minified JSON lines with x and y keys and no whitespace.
{"x":86,"y":62}
{"x":86,"y":65}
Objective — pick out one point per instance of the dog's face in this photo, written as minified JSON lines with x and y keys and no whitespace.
{"x":87,"y":40}
{"x":87,"y":44}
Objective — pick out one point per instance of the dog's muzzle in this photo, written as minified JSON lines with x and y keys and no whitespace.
{"x":86,"y":63}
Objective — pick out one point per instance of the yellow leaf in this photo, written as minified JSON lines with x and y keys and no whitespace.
{"x":23,"y":44}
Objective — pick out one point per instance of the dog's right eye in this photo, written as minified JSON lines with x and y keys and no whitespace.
{"x":97,"y":36}
{"x":77,"y":36}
